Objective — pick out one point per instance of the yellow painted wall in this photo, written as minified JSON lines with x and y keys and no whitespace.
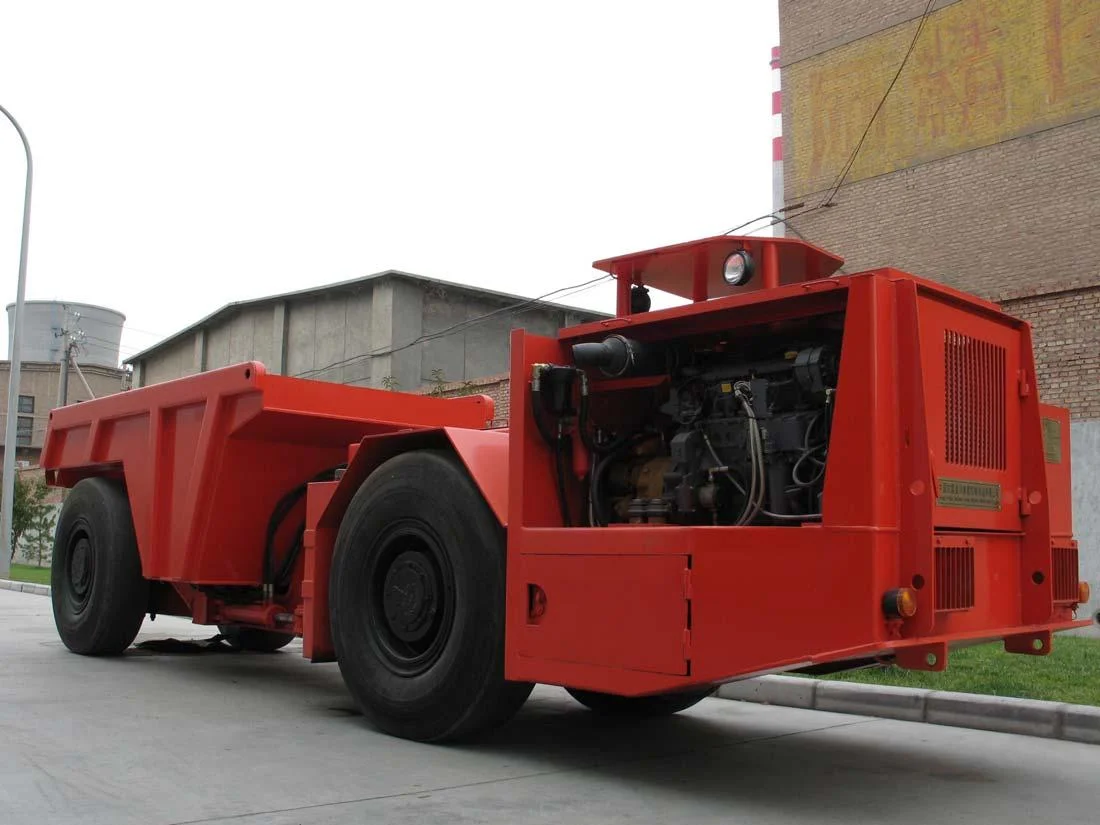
{"x":982,"y":72}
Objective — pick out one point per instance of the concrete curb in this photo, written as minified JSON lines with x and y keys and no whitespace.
{"x":25,"y":587}
{"x":1030,"y":717}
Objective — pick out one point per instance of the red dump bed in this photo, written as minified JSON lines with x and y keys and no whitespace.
{"x":231,"y":441}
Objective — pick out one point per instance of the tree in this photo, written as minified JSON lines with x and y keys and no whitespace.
{"x":440,"y":390}
{"x":39,"y":534}
{"x":439,"y":383}
{"x":29,"y":510}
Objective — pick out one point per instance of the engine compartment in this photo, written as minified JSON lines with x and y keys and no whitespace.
{"x":713,"y":431}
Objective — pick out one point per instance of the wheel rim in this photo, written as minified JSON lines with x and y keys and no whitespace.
{"x":411,"y":598}
{"x":79,"y":570}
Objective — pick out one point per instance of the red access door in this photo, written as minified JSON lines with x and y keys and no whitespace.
{"x":971,"y":367}
{"x":619,"y":611}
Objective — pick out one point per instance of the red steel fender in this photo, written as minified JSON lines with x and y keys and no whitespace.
{"x":483,"y":452}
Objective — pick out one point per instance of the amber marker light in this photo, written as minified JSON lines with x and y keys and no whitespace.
{"x":900,"y":603}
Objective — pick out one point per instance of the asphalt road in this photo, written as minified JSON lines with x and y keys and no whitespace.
{"x":251,"y":739}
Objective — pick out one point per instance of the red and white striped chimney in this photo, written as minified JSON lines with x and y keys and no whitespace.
{"x":777,"y":141}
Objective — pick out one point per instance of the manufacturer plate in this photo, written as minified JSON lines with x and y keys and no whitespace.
{"x":1052,"y":440}
{"x":970,"y":495}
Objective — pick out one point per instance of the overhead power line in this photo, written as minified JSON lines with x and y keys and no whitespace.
{"x":461,"y":326}
{"x":847,"y":168}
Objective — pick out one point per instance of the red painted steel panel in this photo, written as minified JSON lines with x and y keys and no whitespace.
{"x":773,"y":598}
{"x":206,"y":458}
{"x":973,"y":406}
{"x":777,"y":595}
{"x":694,"y":270}
{"x":317,"y":546}
{"x":627,"y":612}
{"x":1058,"y":468}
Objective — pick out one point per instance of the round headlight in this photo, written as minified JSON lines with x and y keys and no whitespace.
{"x":738,"y":268}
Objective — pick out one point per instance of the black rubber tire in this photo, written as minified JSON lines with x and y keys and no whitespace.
{"x":254,"y":639}
{"x":416,"y":600}
{"x":639,"y":707}
{"x":98,"y":593}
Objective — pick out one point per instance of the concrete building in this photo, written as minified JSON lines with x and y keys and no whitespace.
{"x":48,"y":327}
{"x":391,"y":329}
{"x":981,"y":170}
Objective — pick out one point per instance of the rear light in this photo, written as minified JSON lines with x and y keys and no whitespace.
{"x":900,"y":603}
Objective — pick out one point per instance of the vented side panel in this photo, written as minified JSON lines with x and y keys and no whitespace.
{"x":1064,"y":568}
{"x":975,"y":401}
{"x":954,"y":578}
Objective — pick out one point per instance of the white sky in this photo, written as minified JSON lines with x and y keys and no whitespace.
{"x":190,"y":154}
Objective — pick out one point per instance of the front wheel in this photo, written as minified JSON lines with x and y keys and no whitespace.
{"x":416,"y":600}
{"x":98,"y":593}
{"x":664,"y":704}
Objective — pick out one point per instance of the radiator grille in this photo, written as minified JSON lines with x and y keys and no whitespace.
{"x":1064,"y":568}
{"x":975,"y":403}
{"x":954,"y":578}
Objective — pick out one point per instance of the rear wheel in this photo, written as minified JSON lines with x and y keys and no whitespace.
{"x":251,"y":638}
{"x":417,"y":602}
{"x":99,"y":595}
{"x":663,"y":704}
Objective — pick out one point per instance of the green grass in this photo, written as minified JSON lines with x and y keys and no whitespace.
{"x":29,"y":573}
{"x":1071,"y":673}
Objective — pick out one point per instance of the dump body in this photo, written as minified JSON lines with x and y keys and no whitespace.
{"x":206,"y":458}
{"x":935,"y":513}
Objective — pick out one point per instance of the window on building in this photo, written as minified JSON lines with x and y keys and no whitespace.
{"x":26,"y":404}
{"x":24,"y":429}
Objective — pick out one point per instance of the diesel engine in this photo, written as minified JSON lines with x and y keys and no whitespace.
{"x":731,"y":436}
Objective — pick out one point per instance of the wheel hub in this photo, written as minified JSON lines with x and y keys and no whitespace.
{"x":80,"y":567}
{"x":411,"y":596}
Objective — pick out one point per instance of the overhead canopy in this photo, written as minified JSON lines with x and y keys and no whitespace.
{"x":683,"y":268}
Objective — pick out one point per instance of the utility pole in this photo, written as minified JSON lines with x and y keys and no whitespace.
{"x":10,"y":436}
{"x":63,"y":379}
{"x":69,"y":340}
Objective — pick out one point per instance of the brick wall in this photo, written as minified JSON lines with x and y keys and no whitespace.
{"x":980,"y":170}
{"x":1066,"y":331}
{"x":1015,"y":213}
{"x":494,"y":386}
{"x":809,"y":27}
{"x":980,"y":74}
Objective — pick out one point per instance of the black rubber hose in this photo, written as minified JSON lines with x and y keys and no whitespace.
{"x":597,"y":501}
{"x":286,"y":569}
{"x":582,"y":418}
{"x":281,"y":510}
{"x":278,"y":515}
{"x":563,"y":447}
{"x":537,"y":411}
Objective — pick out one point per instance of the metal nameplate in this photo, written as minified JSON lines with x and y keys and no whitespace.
{"x":1052,"y":440}
{"x":971,"y":495}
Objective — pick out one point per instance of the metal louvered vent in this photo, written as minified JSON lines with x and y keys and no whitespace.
{"x":954,"y":578}
{"x":974,"y":372}
{"x":1064,"y":569}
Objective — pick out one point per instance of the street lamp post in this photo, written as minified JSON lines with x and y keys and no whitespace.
{"x":13,"y":376}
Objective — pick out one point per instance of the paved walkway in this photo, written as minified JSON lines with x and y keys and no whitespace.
{"x":248,"y":739}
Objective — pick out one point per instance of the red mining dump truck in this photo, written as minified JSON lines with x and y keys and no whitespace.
{"x":795,"y":471}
